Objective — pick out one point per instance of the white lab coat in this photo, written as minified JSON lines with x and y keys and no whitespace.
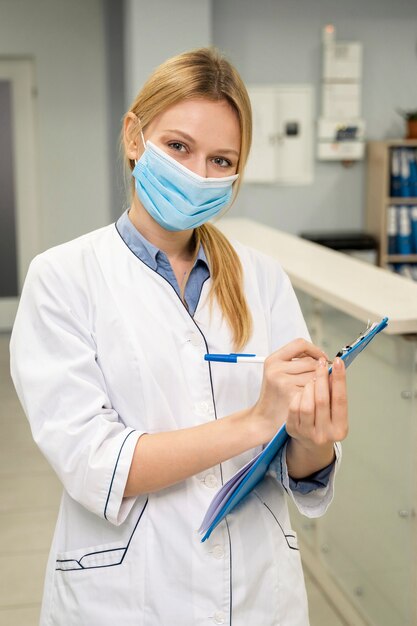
{"x":102,"y":351}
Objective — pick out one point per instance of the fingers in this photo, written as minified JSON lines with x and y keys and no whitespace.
{"x":323,"y":415}
{"x":313,"y":407}
{"x":294,"y":375}
{"x":296,"y":366}
{"x":339,"y":413}
{"x":301,"y":365}
{"x":307,"y":410}
{"x":317,"y":415}
{"x":293,"y":420}
{"x":296,"y":378}
{"x":298,"y":359}
{"x":298,"y":348}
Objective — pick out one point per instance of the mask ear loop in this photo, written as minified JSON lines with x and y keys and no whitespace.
{"x":141,"y":135}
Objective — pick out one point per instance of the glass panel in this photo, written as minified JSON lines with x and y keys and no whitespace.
{"x":8,"y":258}
{"x":366,"y":539}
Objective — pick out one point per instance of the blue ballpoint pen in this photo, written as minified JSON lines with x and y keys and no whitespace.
{"x":235,"y":358}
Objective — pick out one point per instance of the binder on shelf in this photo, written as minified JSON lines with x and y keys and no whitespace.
{"x":246,"y":479}
{"x":404,"y":231}
{"x":412,"y":154}
{"x":395,"y":178}
{"x":405,"y":182}
{"x":392,"y":229}
{"x":413,"y":219}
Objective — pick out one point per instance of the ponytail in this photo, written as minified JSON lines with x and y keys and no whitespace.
{"x":227,"y":282}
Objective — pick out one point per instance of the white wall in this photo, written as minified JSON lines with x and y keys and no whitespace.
{"x":65,"y":38}
{"x":278,"y":41}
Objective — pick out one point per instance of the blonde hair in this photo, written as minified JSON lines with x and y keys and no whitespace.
{"x":205,"y":73}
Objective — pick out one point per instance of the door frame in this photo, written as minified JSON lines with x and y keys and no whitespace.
{"x":21,"y":74}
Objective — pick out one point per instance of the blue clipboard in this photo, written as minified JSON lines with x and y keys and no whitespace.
{"x":242,"y":483}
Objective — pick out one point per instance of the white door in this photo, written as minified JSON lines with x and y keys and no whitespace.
{"x":19,"y":215}
{"x":282,"y":148}
{"x":261,"y":166}
{"x":295,"y":135}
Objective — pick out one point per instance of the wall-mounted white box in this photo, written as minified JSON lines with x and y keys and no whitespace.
{"x":342,"y":61}
{"x":341,"y":131}
{"x":340,"y":140}
{"x":282,"y":148}
{"x":341,"y":100}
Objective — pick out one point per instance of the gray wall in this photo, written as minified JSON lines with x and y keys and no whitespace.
{"x":279,"y":41}
{"x":115,"y":98}
{"x":66,"y":40}
{"x":153,"y":32}
{"x":92,"y":57}
{"x":156,"y":30}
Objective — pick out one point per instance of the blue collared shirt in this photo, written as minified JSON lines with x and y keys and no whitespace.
{"x":159,"y":262}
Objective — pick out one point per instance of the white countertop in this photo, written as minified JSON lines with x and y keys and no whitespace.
{"x":353,"y":286}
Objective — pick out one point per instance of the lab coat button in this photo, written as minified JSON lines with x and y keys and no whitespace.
{"x":218,"y":552}
{"x":218,"y":617}
{"x":210,"y":481}
{"x":202,"y":409}
{"x":195,"y":339}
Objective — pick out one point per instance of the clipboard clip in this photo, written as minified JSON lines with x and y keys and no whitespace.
{"x":369,"y":327}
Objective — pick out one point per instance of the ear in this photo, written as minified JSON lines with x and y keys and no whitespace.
{"x":131,"y":137}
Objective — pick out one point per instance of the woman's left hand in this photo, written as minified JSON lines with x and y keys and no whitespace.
{"x":317,"y":418}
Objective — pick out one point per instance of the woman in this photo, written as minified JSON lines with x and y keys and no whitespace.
{"x":108,"y":360}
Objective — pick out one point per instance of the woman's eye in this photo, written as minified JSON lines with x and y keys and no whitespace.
{"x":178,"y":146}
{"x":221,"y":162}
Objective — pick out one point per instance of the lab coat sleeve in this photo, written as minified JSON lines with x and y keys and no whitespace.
{"x":63,"y":392}
{"x":316,"y":502}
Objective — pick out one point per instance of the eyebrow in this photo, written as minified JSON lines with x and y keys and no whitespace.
{"x":191,"y":140}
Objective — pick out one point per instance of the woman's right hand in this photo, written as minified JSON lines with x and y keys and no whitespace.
{"x":286,"y":372}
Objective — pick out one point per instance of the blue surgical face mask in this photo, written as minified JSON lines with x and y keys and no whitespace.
{"x":177,"y":198}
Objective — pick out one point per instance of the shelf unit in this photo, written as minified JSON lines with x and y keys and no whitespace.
{"x":378,"y":196}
